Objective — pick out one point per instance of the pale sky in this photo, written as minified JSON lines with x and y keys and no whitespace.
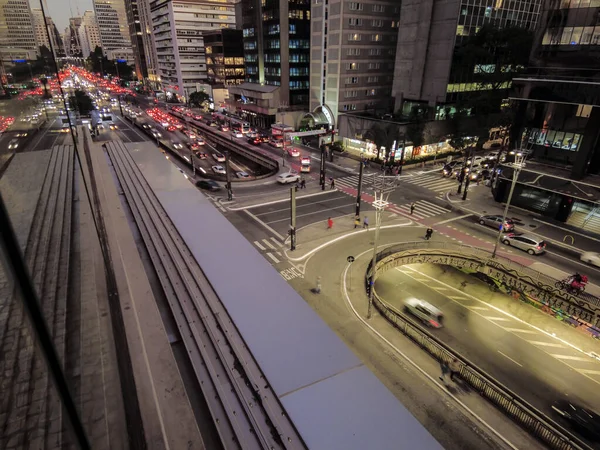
{"x":62,"y":10}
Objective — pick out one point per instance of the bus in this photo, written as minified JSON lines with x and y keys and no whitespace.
{"x":235,"y":123}
{"x":279,"y":129}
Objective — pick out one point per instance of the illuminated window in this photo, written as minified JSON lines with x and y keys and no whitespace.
{"x":370,"y":92}
{"x":354,"y":37}
{"x":376,"y":37}
{"x":352,"y":66}
{"x":352,"y":80}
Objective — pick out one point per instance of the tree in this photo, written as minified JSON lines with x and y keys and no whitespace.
{"x":197,"y":98}
{"x":415,"y":131}
{"x":494,"y":56}
{"x":81,"y":102}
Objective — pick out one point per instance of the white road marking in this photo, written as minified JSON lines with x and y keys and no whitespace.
{"x":497,"y":319}
{"x":478,"y":308}
{"x":521,"y":330}
{"x":440,"y":288}
{"x":589,"y":372}
{"x":287,"y":219}
{"x":508,"y":357}
{"x":457,"y":298}
{"x":259,"y":245}
{"x":268,"y":244}
{"x":546,"y":344}
{"x":265,"y":225}
{"x":275,"y":260}
{"x":574,"y":358}
{"x":277,"y":242}
{"x":243,"y":208}
{"x":452,"y":220}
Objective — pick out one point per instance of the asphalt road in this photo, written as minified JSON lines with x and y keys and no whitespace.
{"x":536,"y":367}
{"x":316,"y":208}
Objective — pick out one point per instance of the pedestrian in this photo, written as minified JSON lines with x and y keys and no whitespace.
{"x":356,"y":221}
{"x":366,"y":222}
{"x":412,"y":208}
{"x":445,"y":369}
{"x":318,"y":288}
{"x":329,"y":223}
{"x":332,"y":183}
{"x":302,"y":183}
{"x":454,"y":369}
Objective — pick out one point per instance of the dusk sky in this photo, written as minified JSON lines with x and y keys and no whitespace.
{"x":60,"y":10}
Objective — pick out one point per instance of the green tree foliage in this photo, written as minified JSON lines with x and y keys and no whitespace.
{"x":99,"y":63}
{"x":415,"y":131}
{"x":81,"y":102}
{"x":494,"y":56}
{"x":197,"y":98}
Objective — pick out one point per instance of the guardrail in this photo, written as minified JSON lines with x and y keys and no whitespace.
{"x":522,"y":412}
{"x":238,"y":147}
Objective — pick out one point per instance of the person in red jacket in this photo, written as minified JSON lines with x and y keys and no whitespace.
{"x":329,"y":223}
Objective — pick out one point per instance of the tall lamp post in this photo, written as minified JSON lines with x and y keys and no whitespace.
{"x":517,"y":165}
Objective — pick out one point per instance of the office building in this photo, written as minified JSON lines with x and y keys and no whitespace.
{"x":353,"y":49}
{"x":111,"y":18}
{"x":558,"y":118}
{"x":73,"y":45}
{"x":137,"y":41}
{"x":17,"y":36}
{"x":89,"y":34}
{"x":277,"y":54}
{"x":151,"y":62}
{"x":426,"y":71}
{"x":177,"y":27}
{"x":44,"y":36}
{"x":224,"y":62}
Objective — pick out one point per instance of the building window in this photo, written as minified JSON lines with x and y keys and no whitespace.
{"x":352,"y":80}
{"x":250,"y":45}
{"x":351,"y":66}
{"x":296,"y":14}
{"x":273,"y":43}
{"x":354,"y":37}
{"x":370,"y":92}
{"x":298,"y":58}
{"x":373,"y":79}
{"x":377,"y":23}
{"x":374,"y":66}
{"x":292,"y":28}
{"x":349,"y":107}
{"x":375,"y":37}
{"x":355,"y":6}
{"x":272,"y":58}
{"x":248,"y":32}
{"x":378,"y":8}
{"x":584,"y":111}
{"x":355,"y":22}
{"x":299,"y":43}
{"x":374,"y":51}
{"x":353,"y":52}
{"x":273,"y":29}
{"x":350,"y":94}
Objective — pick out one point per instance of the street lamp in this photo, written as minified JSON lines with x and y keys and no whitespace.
{"x":517,"y":165}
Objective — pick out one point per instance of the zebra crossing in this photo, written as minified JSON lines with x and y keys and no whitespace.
{"x":433,"y":181}
{"x":271,"y":248}
{"x":423,"y":209}
{"x":351,"y":181}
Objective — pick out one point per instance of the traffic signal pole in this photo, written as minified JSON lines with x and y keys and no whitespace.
{"x":322,"y":176}
{"x":359,"y":188}
{"x":293,"y":218}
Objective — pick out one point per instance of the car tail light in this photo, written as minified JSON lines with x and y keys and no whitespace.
{"x":433,"y":323}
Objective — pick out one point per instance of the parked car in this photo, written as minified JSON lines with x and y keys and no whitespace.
{"x":426,"y":312}
{"x":526,"y":242}
{"x":208,"y":185}
{"x":289,"y":177}
{"x":495,"y":221}
{"x":583,"y":420}
{"x":220,"y":170}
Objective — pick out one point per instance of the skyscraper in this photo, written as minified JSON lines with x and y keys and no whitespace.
{"x":136,"y":36}
{"x":17,"y":38}
{"x":89,"y":35}
{"x":111,"y":17}
{"x":44,"y":36}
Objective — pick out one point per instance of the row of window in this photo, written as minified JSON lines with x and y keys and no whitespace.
{"x":298,"y":84}
{"x":357,"y":66}
{"x":354,"y":94}
{"x":356,"y":80}
{"x":357,"y":22}
{"x":572,"y":4}
{"x":355,"y":37}
{"x":555,"y":139}
{"x":276,"y":58}
{"x":297,"y":14}
{"x":572,"y":36}
{"x":357,"y":6}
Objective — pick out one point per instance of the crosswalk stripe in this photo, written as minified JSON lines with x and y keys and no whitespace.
{"x":258,"y":244}
{"x":268,"y":244}
{"x":277,"y":242}
{"x":275,"y":260}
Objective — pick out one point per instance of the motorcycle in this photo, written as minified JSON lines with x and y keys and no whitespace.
{"x":572,"y":284}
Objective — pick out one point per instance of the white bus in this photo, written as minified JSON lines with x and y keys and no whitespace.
{"x":235,"y":123}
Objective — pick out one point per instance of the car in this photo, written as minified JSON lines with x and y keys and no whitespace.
{"x":237,"y":134}
{"x":526,"y":242}
{"x":171,"y":128}
{"x":293,"y":152}
{"x":426,"y":312}
{"x":224,"y":128}
{"x":494,"y":221}
{"x":177,"y":145}
{"x":212,"y":123}
{"x":242,"y":175}
{"x":113,"y":126}
{"x":145,"y":126}
{"x":252,"y":134}
{"x":289,"y":177}
{"x":582,"y":419}
{"x":218,"y":157}
{"x":197,"y":117}
{"x":219,"y":170}
{"x":193,"y":146}
{"x":22,"y":134}
{"x":208,"y":185}
{"x":479,"y":174}
{"x":448,"y":169}
{"x":264,"y":137}
{"x":156,"y":134}
{"x":200,"y":141}
{"x":254,"y":140}
{"x":476,"y":160}
{"x":201,"y":155}
{"x":13,"y":144}
{"x":190,"y":134}
{"x":277,"y":143}
{"x":592,"y":258}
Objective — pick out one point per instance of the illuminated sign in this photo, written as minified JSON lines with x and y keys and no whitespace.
{"x":19,"y":60}
{"x":122,"y":60}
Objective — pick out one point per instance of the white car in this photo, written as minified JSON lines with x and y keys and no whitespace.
{"x":289,"y":177}
{"x":293,"y":152}
{"x":237,"y":134}
{"x":242,"y":175}
{"x":219,"y":170}
{"x":476,"y":160}
{"x":219,"y":157}
{"x":200,"y":141}
{"x":592,"y":258}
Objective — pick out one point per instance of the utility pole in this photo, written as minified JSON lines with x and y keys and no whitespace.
{"x":402,"y":155}
{"x":463,"y":173}
{"x":359,"y":188}
{"x":468,"y":180}
{"x":322,"y":173}
{"x":228,"y":177}
{"x":293,"y":218}
{"x":193,"y":165}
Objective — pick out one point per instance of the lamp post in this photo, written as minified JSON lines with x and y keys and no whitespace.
{"x":517,"y":165}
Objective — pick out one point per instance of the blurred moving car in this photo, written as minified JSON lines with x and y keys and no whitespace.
{"x":526,"y":242}
{"x":592,"y":258}
{"x":293,"y":152}
{"x":424,"y":311}
{"x":13,"y":144}
{"x":583,"y":420}
{"x":495,"y":221}
{"x":201,"y":155}
{"x":219,"y":157}
{"x":177,"y":145}
{"x":289,"y":177}
{"x":219,"y":170}
{"x":242,"y":174}
{"x":208,"y":185}
{"x":254,"y":140}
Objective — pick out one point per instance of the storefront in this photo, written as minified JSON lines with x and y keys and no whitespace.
{"x":369,"y":150}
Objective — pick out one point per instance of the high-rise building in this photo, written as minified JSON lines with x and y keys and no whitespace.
{"x":426,"y":71}
{"x":136,"y":36}
{"x":89,"y":35}
{"x":44,"y":36}
{"x":558,"y":118}
{"x":177,"y":26}
{"x":17,"y":37}
{"x":111,"y":17}
{"x":73,"y":45}
{"x":353,"y":49}
{"x":148,"y":44}
{"x":224,"y":61}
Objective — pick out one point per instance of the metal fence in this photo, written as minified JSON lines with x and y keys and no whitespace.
{"x":523,"y":413}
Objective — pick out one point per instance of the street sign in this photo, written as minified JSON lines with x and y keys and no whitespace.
{"x":350,"y":259}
